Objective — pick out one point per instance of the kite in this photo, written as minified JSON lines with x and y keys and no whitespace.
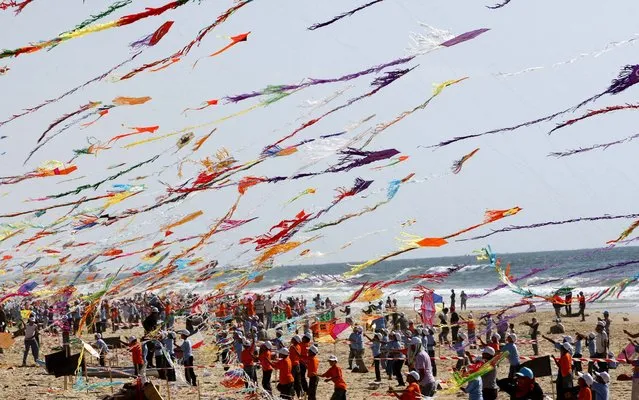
{"x":412,"y":242}
{"x":286,"y":228}
{"x":343,"y":15}
{"x":137,"y":131}
{"x":464,"y":37}
{"x":83,"y":108}
{"x":597,"y":146}
{"x":177,"y":56}
{"x":313,"y":82}
{"x":628,"y":76}
{"x":625,"y":233}
{"x":457,"y":165}
{"x":130,"y":101}
{"x":608,"y":47}
{"x":182,"y":221}
{"x":392,"y":163}
{"x":305,"y":192}
{"x":436,"y":39}
{"x":553,"y":223}
{"x":242,"y":37}
{"x":499,"y":5}
{"x":4,"y":70}
{"x":101,"y":113}
{"x":125,"y":20}
{"x":206,"y":104}
{"x":594,"y":113}
{"x":19,"y":6}
{"x":49,"y":168}
{"x":153,"y":38}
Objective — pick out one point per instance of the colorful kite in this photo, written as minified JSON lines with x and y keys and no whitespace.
{"x":19,"y":6}
{"x":628,"y":76}
{"x":153,"y":38}
{"x":242,"y":37}
{"x":594,"y":113}
{"x":625,"y":233}
{"x":303,"y":193}
{"x":343,"y":15}
{"x":457,"y":165}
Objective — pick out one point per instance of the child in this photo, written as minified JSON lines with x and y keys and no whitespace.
{"x":187,"y":357}
{"x":460,"y":345}
{"x":376,"y":348}
{"x":513,"y":354}
{"x":334,"y":374}
{"x":312,"y":365}
{"x":136,"y":356}
{"x":103,"y":349}
{"x":600,"y":387}
{"x":267,"y":368}
{"x":412,"y":392}
{"x":584,"y":382}
{"x":285,"y":369}
{"x":295,"y":354}
{"x":248,"y":360}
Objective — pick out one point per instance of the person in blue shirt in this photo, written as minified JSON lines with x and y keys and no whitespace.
{"x":474,"y":389}
{"x":601,"y":386}
{"x":376,"y":348}
{"x":459,"y":345}
{"x":168,"y":341}
{"x":187,"y":358}
{"x":356,"y":340}
{"x":395,"y":348}
{"x":578,"y":344}
{"x":513,"y":354}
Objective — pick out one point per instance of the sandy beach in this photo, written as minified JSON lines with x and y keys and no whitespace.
{"x":29,"y":382}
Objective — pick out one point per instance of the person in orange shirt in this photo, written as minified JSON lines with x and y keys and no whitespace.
{"x":334,"y":374}
{"x":288,"y":311}
{"x":564,"y":377}
{"x":412,"y":392}
{"x":284,"y":367}
{"x":295,"y":352}
{"x":304,"y":346}
{"x":221,"y":311}
{"x":247,"y":360}
{"x":136,"y":356}
{"x":267,"y":369}
{"x":585,"y":381}
{"x":250,"y":308}
{"x":312,"y":364}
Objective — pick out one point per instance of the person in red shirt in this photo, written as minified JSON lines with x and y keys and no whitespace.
{"x":582,"y":305}
{"x":221,"y":311}
{"x":585,"y":381}
{"x":412,"y":392}
{"x":250,"y":308}
{"x":312,"y":364}
{"x":247,"y":359}
{"x":295,"y":351}
{"x":136,"y":355}
{"x":334,"y":374}
{"x":267,"y":369}
{"x":284,"y":367}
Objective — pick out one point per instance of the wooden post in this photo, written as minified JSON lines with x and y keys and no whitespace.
{"x":199,"y":394}
{"x":111,"y":374}
{"x":168,"y":388}
{"x":86,"y":377}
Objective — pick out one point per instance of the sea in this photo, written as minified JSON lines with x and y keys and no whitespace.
{"x":587,"y":270}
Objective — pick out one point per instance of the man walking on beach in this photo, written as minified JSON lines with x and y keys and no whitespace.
{"x":463,"y":297}
{"x":30,"y":341}
{"x":452,"y":298}
{"x":582,"y":306}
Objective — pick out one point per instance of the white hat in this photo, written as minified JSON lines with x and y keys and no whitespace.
{"x":587,"y":378}
{"x":414,"y":374}
{"x":184,"y":332}
{"x":604,"y":376}
{"x":513,"y":337}
{"x":268,"y":345}
{"x":132,"y":339}
{"x":418,"y":331}
{"x":308,"y":335}
{"x":246,"y":342}
{"x":592,"y":335}
{"x":297,"y":338}
{"x":567,"y":347}
{"x":416,"y":341}
{"x":568,"y":339}
{"x":601,"y":323}
{"x":332,"y":357}
{"x":313,"y":349}
{"x":489,"y":350}
{"x":283,"y":351}
{"x":154,"y":309}
{"x":379,"y":336}
{"x":98,"y":336}
{"x":496,"y":335}
{"x":359,"y":328}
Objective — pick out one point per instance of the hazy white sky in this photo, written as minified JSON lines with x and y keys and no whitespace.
{"x":511,"y":169}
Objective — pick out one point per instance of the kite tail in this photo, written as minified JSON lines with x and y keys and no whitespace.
{"x":628,"y":76}
{"x":625,"y":233}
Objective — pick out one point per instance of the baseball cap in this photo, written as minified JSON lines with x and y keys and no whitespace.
{"x":604,"y":376}
{"x":414,"y":374}
{"x":283,"y":351}
{"x":587,"y":378}
{"x":416,"y":341}
{"x":513,"y":337}
{"x":297,"y":338}
{"x":308,"y":335}
{"x":313,"y":349}
{"x":489,"y":350}
{"x":567,"y":347}
{"x":526,"y":373}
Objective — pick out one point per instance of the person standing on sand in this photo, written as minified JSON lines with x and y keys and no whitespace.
{"x":312,"y":364}
{"x":534,"y":332}
{"x":564,"y":375}
{"x":30,"y":341}
{"x":334,"y":374}
{"x":601,"y":345}
{"x":584,"y":382}
{"x":582,"y":305}
{"x":264,"y":358}
{"x":187,"y":358}
{"x":443,"y":324}
{"x":463,"y":298}
{"x":489,"y":380}
{"x":454,"y":322}
{"x":513,"y":354}
{"x":423,"y":366}
{"x":601,"y":386}
{"x":103,"y":349}
{"x":395,"y":353}
{"x":285,"y":368}
{"x":136,"y":356}
{"x":412,"y":392}
{"x":452,"y":298}
{"x":568,"y":301}
{"x":557,"y":302}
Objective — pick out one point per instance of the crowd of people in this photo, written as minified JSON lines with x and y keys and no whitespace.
{"x":251,"y":332}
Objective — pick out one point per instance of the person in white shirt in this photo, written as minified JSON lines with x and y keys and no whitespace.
{"x":103,"y":349}
{"x":30,"y":341}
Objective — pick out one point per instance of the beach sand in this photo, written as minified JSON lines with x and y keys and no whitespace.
{"x":33,"y":383}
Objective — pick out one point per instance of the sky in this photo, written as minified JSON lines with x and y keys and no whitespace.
{"x":510,"y":169}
